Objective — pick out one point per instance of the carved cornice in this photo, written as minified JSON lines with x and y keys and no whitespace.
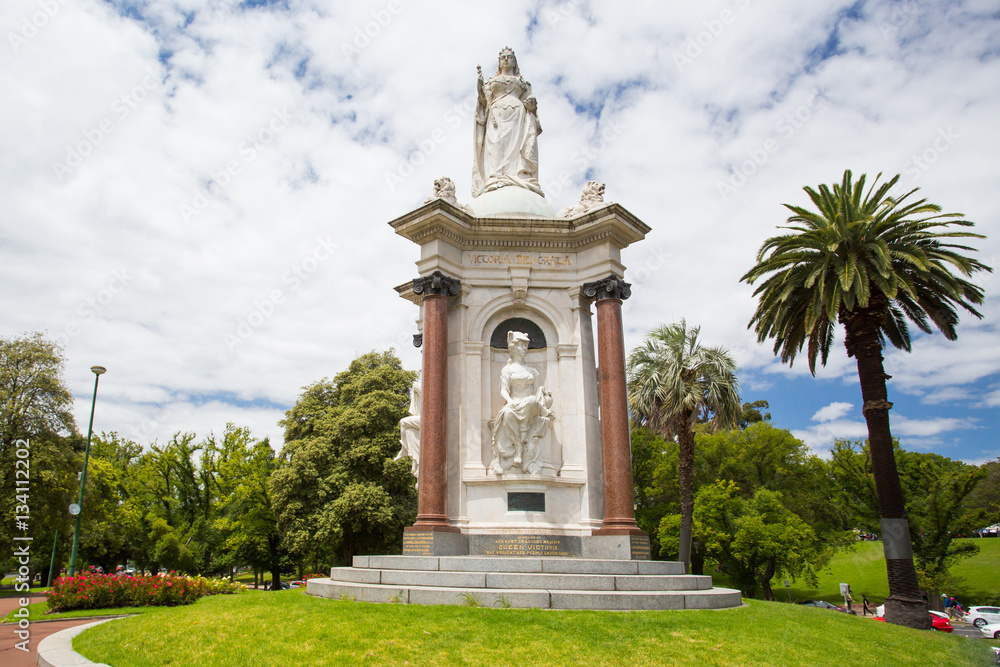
{"x":436,"y":284}
{"x":439,"y":220}
{"x":611,"y":287}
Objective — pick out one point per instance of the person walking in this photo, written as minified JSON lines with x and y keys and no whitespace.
{"x":849,"y":598}
{"x":864,"y":600}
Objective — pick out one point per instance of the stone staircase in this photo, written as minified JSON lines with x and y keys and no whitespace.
{"x":546,"y":583}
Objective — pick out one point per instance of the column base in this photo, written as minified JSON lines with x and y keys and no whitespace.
{"x":418,"y":542}
{"x":624,"y":526}
{"x":432,"y":523}
{"x":619,"y":546}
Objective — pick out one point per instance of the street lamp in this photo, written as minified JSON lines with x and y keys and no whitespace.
{"x":77,"y":507}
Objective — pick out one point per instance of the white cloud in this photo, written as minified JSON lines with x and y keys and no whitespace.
{"x":832,"y":412}
{"x":221,"y":71}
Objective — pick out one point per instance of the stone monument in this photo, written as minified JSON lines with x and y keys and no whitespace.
{"x":519,"y":429}
{"x":524,"y":450}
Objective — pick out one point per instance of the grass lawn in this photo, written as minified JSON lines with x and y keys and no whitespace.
{"x":291,"y":628}
{"x":864,"y":569}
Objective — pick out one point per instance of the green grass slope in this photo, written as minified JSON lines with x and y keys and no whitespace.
{"x":863,"y":567}
{"x":291,"y":628}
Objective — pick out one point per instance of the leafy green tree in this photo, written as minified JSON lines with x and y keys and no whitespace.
{"x":937,"y":491}
{"x":338,"y":491}
{"x":869,"y":261}
{"x":35,"y":408}
{"x":674,"y":381}
{"x":246,"y":517}
{"x":763,"y":456}
{"x":107,"y":536}
{"x":753,"y":539}
{"x":986,"y":496}
{"x":753,"y":413}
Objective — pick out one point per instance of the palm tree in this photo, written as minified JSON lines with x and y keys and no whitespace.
{"x":871,"y":262}
{"x":673,"y":383}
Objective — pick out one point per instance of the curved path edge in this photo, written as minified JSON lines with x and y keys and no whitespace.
{"x":57,"y":650}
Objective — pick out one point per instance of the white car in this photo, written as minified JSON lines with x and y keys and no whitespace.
{"x":990,"y":631}
{"x":980,"y":616}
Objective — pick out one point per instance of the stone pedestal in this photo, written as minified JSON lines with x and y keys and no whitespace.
{"x":519,"y":272}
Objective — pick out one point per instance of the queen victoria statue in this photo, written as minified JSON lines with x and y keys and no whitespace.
{"x":506,"y":131}
{"x":524,"y":419}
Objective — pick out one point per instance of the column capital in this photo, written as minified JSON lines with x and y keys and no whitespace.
{"x":436,"y":284}
{"x":611,"y":287}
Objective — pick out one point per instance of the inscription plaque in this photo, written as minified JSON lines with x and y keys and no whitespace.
{"x":640,"y":547}
{"x":418,"y":544}
{"x":525,"y":502}
{"x":563,"y":546}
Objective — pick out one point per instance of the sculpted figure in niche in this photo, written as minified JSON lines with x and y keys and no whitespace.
{"x":506,"y":130}
{"x":409,"y":432}
{"x":524,"y":419}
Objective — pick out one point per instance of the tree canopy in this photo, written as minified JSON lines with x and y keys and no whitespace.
{"x":338,"y":490}
{"x":872,"y":262}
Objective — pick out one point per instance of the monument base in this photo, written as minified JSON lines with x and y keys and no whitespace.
{"x":545,"y":583}
{"x":518,"y":545}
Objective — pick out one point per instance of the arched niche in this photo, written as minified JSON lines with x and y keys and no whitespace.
{"x":543,"y":337}
{"x":536,"y":337}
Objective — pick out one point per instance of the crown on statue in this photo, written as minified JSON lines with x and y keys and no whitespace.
{"x":509,"y":51}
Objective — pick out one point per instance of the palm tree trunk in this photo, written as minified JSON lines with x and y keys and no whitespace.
{"x":685,"y":475}
{"x":905,"y":605}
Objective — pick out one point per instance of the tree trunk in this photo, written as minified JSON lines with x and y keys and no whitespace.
{"x":765,"y":580}
{"x":905,"y":605}
{"x":685,"y":474}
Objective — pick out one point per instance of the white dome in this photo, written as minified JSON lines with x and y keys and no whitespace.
{"x":512,"y":201}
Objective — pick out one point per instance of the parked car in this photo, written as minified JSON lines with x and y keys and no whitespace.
{"x":297,"y":584}
{"x":826,"y":605}
{"x":940,"y":621}
{"x":980,"y":616}
{"x":990,"y":630}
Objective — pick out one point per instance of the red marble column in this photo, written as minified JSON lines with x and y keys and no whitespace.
{"x":619,"y":512}
{"x":431,"y":514}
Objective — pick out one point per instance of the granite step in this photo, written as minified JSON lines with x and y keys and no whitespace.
{"x":713,"y":598}
{"x":522,"y":580}
{"x":516,"y":564}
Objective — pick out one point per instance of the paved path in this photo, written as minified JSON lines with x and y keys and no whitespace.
{"x":13,"y":657}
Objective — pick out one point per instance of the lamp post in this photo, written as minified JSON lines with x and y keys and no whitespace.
{"x":77,"y":507}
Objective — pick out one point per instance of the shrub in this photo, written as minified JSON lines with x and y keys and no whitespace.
{"x":90,"y":590}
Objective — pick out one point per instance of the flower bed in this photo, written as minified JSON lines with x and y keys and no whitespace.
{"x":90,"y":590}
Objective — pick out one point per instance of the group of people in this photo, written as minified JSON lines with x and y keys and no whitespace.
{"x":952,"y":607}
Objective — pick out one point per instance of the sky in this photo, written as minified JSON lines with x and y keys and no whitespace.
{"x":194,"y":193}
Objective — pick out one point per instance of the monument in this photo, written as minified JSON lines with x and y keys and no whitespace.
{"x":519,"y":429}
